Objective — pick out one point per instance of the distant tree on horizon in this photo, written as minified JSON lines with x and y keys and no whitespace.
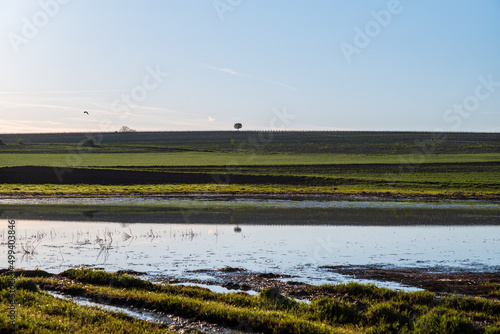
{"x":2,"y":142}
{"x":126,"y":129}
{"x":238,"y":126}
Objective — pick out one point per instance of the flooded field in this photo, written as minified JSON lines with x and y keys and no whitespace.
{"x":191,"y":238}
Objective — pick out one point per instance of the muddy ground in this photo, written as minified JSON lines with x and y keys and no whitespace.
{"x":48,"y":175}
{"x":463,"y":283}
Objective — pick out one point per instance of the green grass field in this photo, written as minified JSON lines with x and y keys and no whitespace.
{"x":229,"y":159}
{"x":468,"y":164}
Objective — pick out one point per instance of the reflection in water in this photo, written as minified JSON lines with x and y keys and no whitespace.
{"x":259,"y":212}
{"x":290,"y":237}
{"x":173,"y":250}
{"x":248,"y":203}
{"x":104,"y":245}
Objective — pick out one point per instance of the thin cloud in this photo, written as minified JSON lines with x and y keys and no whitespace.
{"x":225,"y":70}
{"x":35,"y":105}
{"x":67,"y":91}
{"x":23,"y":122}
{"x":233,"y":72}
{"x":18,"y":126}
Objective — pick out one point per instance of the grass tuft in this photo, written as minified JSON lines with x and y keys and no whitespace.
{"x":343,"y":308}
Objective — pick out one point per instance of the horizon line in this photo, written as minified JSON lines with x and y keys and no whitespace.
{"x":236,"y":131}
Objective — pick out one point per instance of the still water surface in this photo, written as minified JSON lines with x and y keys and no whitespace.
{"x":287,"y":237}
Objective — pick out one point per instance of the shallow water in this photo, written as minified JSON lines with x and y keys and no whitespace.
{"x":285,"y":237}
{"x":170,"y":319}
{"x":139,"y":314}
{"x":218,"y":289}
{"x":175,"y":250}
{"x":214,"y":202}
{"x":252,"y":211}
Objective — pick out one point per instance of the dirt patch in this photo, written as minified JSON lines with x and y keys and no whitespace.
{"x":244,"y":281}
{"x":465,"y":283}
{"x":48,"y":175}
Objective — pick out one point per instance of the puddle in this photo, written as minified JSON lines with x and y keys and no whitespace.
{"x":217,"y":288}
{"x":207,"y":202}
{"x":346,"y":279}
{"x":139,"y":314}
{"x":174,"y":322}
{"x":220,"y":289}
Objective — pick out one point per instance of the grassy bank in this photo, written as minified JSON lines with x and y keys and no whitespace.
{"x":344,"y":308}
{"x":83,"y":190}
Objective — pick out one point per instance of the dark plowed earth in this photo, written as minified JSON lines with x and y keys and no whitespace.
{"x":44,"y":175}
{"x":467,"y":283}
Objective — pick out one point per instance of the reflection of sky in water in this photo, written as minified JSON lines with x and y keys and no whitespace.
{"x":261,"y":203}
{"x":173,"y":249}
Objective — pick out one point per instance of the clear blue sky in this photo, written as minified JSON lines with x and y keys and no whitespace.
{"x":360,"y":65}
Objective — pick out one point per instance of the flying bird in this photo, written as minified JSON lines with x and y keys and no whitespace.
{"x":86,"y":112}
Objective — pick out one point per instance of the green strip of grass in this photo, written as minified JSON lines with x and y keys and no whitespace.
{"x":229,"y":189}
{"x":229,"y":159}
